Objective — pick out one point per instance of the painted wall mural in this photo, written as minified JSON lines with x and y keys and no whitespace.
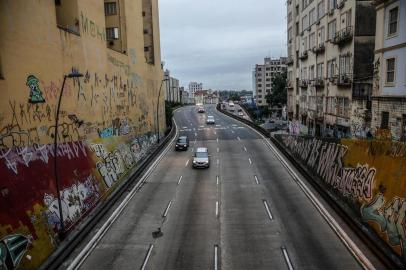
{"x":90,"y":171}
{"x":104,"y":132}
{"x":369,"y":176}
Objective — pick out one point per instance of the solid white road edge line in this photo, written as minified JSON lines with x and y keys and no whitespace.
{"x":147,"y":257}
{"x":287,"y":259}
{"x":77,"y":262}
{"x":267,"y":210}
{"x":347,"y":241}
{"x":167,"y":209}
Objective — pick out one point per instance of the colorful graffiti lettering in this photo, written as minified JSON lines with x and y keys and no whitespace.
{"x":391,"y":218}
{"x":326,"y":158}
{"x":76,"y":200}
{"x":23,"y":156}
{"x":35,"y":92}
{"x":12,"y":250}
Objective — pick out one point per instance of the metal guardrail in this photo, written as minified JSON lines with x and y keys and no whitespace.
{"x":55,"y":260}
{"x":245,"y":121}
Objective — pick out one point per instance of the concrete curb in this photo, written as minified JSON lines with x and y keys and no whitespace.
{"x":366,"y":234}
{"x":76,"y":236}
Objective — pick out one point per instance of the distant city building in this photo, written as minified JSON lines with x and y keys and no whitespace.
{"x":263,"y":75}
{"x":330,"y":65}
{"x":193,"y":87}
{"x":206,"y":97}
{"x":389,"y":91}
{"x":172,"y":91}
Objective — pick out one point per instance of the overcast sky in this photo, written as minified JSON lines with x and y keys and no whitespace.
{"x":218,"y":42}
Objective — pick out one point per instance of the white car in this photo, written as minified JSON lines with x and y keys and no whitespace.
{"x":210,"y":120}
{"x":201,"y":158}
{"x":240,"y":114}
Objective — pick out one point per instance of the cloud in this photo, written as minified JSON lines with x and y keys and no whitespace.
{"x":218,"y":42}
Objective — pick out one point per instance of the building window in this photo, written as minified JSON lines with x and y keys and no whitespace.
{"x":385,"y":120}
{"x":403,"y":135}
{"x":393,"y":21}
{"x":290,"y":34}
{"x":259,"y":69}
{"x":345,"y":64}
{"x":332,"y":4}
{"x":67,"y":15}
{"x":148,"y":24}
{"x":297,"y":29}
{"x":321,"y":37}
{"x":260,"y":80}
{"x":320,"y":10}
{"x":110,"y":8}
{"x":331,"y":30}
{"x":289,"y":16}
{"x":312,"y":40}
{"x":331,"y":66}
{"x":312,"y":16}
{"x":305,"y":22}
{"x":259,"y":85}
{"x":390,"y":70}
{"x":112,"y":33}
{"x":268,"y":85}
{"x":320,"y":71}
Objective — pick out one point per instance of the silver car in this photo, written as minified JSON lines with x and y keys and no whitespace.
{"x":210,"y":120}
{"x":201,"y":158}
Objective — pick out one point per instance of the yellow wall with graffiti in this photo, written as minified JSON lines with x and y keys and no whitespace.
{"x":367,"y":175}
{"x":107,"y":117}
{"x":35,"y":54}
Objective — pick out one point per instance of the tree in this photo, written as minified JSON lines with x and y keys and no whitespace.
{"x":278,"y":95}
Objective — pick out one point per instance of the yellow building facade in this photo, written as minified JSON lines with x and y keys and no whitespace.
{"x":108,"y":117}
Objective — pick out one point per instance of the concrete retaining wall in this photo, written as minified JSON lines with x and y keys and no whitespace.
{"x":367,"y":177}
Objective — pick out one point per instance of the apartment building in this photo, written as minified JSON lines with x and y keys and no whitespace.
{"x":263,"y":75}
{"x":193,"y":87}
{"x":389,"y":91}
{"x":172,"y":90}
{"x":330,"y":65}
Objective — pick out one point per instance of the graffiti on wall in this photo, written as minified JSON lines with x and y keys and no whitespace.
{"x":76,"y":200}
{"x":23,"y":156}
{"x":391,"y":218}
{"x":12,"y":250}
{"x":112,"y":165}
{"x":92,"y":29}
{"x":369,"y":172}
{"x":326,"y":159}
{"x":35,"y":91}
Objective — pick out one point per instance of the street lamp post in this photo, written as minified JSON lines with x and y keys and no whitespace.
{"x":70,"y":75}
{"x":157,"y":107}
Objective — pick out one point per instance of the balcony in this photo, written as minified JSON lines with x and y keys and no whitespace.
{"x":319,"y":48}
{"x":343,"y":36}
{"x":304,"y":55}
{"x":333,"y":79}
{"x":344,"y":80}
{"x":318,"y":82}
{"x":303,"y":83}
{"x":289,"y":60}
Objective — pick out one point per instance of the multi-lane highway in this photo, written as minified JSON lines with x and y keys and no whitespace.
{"x":245,"y":212}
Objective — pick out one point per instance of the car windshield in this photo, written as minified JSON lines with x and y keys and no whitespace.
{"x":182,"y":140}
{"x":201,"y":154}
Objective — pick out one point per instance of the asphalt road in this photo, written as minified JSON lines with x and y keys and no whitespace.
{"x":244,"y":212}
